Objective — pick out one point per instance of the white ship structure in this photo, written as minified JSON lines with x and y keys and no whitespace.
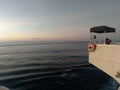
{"x":105,"y":55}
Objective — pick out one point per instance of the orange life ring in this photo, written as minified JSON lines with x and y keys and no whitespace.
{"x":91,"y":47}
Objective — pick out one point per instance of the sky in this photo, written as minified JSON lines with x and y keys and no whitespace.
{"x":55,"y":19}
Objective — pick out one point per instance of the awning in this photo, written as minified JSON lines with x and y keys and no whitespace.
{"x":102,"y":29}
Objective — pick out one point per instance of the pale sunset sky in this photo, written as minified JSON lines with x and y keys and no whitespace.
{"x":55,"y":19}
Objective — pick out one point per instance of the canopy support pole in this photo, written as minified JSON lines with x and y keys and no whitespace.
{"x":105,"y":37}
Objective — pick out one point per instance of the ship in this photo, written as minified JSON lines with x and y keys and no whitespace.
{"x":105,"y":55}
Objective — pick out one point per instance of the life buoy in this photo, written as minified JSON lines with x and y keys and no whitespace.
{"x":91,"y":47}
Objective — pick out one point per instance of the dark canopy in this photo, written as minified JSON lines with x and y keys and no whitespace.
{"x":102,"y":29}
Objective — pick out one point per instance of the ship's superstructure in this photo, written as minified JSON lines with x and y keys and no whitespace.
{"x":106,"y":55}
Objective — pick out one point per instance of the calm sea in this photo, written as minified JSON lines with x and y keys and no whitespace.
{"x":50,"y":66}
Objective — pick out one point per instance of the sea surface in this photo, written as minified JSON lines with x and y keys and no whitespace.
{"x":54,"y":65}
